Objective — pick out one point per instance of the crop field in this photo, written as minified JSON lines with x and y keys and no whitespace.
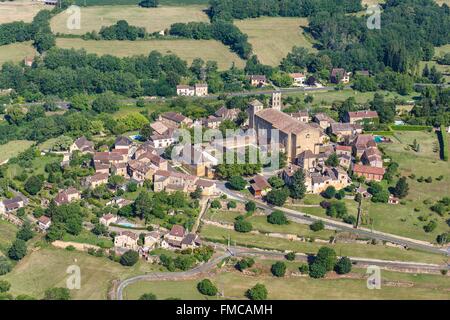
{"x":273,"y":38}
{"x":233,"y":285}
{"x":153,"y":20}
{"x":16,"y":52}
{"x":186,"y":49}
{"x":20,"y":10}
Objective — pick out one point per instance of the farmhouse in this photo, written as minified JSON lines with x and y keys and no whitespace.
{"x":323,"y":120}
{"x":126,"y":240}
{"x":361,"y":117}
{"x":96,"y":180}
{"x":316,"y":182}
{"x":107,"y":219}
{"x":372,"y":157}
{"x":301,"y":116}
{"x":362,"y":142}
{"x":83,"y":145}
{"x":298,"y":78}
{"x":67,"y":196}
{"x":175,"y":119}
{"x":163,"y":140}
{"x":370,"y":173}
{"x":227,"y":114}
{"x":44,"y":223}
{"x":343,"y":130}
{"x":199,"y":90}
{"x":258,"y":80}
{"x":122,"y":143}
{"x":9,"y":205}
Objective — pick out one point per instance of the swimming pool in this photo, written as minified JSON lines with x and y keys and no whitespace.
{"x":378,"y":139}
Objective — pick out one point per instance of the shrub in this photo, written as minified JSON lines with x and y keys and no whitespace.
{"x":237,"y":183}
{"x":215,"y":204}
{"x":244,"y":264}
{"x":250,"y":206}
{"x":5,"y":266}
{"x":278,"y":269}
{"x":317,"y":226}
{"x":327,"y":256}
{"x":148,"y":296}
{"x":430,"y":226}
{"x":290,"y":256}
{"x":18,"y":249}
{"x":317,"y":270}
{"x":57,"y":294}
{"x":129,"y":258}
{"x":304,"y":268}
{"x":429,"y":180}
{"x":350,"y":219}
{"x":231,"y":204}
{"x":70,"y":248}
{"x":258,"y":292}
{"x":329,"y":192}
{"x":4,"y":286}
{"x":343,"y":266}
{"x":277,"y":217}
{"x":243,"y":226}
{"x":207,"y":288}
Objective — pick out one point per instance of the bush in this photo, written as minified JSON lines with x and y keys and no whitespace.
{"x":430,"y":226}
{"x":215,"y":204}
{"x":290,"y":256}
{"x":327,"y":256}
{"x":258,"y":292}
{"x":237,"y":183}
{"x":278,"y":269}
{"x":250,"y":206}
{"x":33,"y":185}
{"x":277,"y":217}
{"x":4,"y":286}
{"x":70,"y":248}
{"x":18,"y":249}
{"x":350,"y":219}
{"x":207,"y":288}
{"x":329,"y":192}
{"x":277,"y":197}
{"x":243,"y":226}
{"x":57,"y":294}
{"x":5,"y":266}
{"x":317,"y":270}
{"x":317,"y":226}
{"x":244,"y":264}
{"x":343,"y":266}
{"x":304,"y":268}
{"x":129,"y":258}
{"x":148,"y":296}
{"x":231,"y":204}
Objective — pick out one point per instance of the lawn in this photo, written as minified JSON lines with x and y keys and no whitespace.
{"x":272,"y":38}
{"x":89,"y":238}
{"x":212,"y":233}
{"x":153,"y":20}
{"x":186,"y":49}
{"x":45,"y":268}
{"x":20,"y":10}
{"x":13,"y":148}
{"x":234,"y":284}
{"x":37,"y":166}
{"x":7,"y":235}
{"x":16,"y":52}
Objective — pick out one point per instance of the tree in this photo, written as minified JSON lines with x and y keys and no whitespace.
{"x":244,"y":264}
{"x":250,"y":206}
{"x":401,"y":188}
{"x":18,"y":249}
{"x":343,"y":266}
{"x":5,"y":266}
{"x":57,"y":294}
{"x":26,"y":232}
{"x":105,"y":102}
{"x":297,"y":186}
{"x":4,"y":286}
{"x":243,"y":226}
{"x":277,"y":217}
{"x":215,"y":204}
{"x":231,"y":204}
{"x":278,"y":269}
{"x":33,"y":185}
{"x":129,"y":258}
{"x":329,"y":192}
{"x":317,"y":226}
{"x":277,"y":197}
{"x":276,"y":182}
{"x":258,"y":292}
{"x":197,"y":193}
{"x":430,"y":226}
{"x":148,"y":296}
{"x":290,"y":256}
{"x":149,"y":3}
{"x":207,"y":288}
{"x":80,"y":102}
{"x":184,"y":262}
{"x":237,"y":183}
{"x":333,"y":160}
{"x":327,"y":256}
{"x":317,"y":270}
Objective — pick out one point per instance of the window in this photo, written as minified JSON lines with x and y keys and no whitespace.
{"x":307,"y":136}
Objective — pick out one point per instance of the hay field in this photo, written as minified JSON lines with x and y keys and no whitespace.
{"x":16,"y":52}
{"x":20,"y":10}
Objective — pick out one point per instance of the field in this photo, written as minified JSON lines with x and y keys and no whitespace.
{"x":153,"y":20}
{"x":16,"y":52}
{"x":31,"y":275}
{"x":213,"y":233}
{"x":7,"y":235}
{"x":186,"y":49}
{"x":273,"y":38}
{"x":19,"y":10}
{"x":233,"y":285}
{"x":13,"y":148}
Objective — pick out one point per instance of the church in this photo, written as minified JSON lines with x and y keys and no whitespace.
{"x":294,"y":136}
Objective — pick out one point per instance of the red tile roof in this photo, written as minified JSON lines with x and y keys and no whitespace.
{"x":357,"y":168}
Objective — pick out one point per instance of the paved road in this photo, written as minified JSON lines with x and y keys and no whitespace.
{"x":171,"y":275}
{"x":365,"y":233}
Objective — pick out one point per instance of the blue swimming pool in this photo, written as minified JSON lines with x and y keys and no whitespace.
{"x":378,"y":139}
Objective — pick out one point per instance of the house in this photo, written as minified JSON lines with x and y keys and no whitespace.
{"x":339,"y":75}
{"x":107,"y":219}
{"x":144,"y":148}
{"x":211,"y":122}
{"x":143,"y":168}
{"x":163,"y":140}
{"x":191,"y":241}
{"x":361,"y":117}
{"x":159,"y":127}
{"x":307,"y":160}
{"x":152,"y":239}
{"x":208,"y":187}
{"x":185,"y":90}
{"x":301,"y":116}
{"x":174,"y":237}
{"x":67,"y":196}
{"x":319,"y":180}
{"x":323,"y":120}
{"x":370,"y":173}
{"x":122,"y":143}
{"x":345,"y":160}
{"x":51,"y":2}
{"x":343,"y":130}
{"x":126,"y":240}
{"x":258,"y":80}
{"x":259,"y":186}
{"x":173,"y":181}
{"x":175,"y":119}
{"x":83,"y":145}
{"x":28,"y":61}
{"x":201,"y":89}
{"x":372,"y":157}
{"x":44,"y":223}
{"x":227,"y":114}
{"x":341,"y":150}
{"x":10,"y":205}
{"x":101,"y":167}
{"x":96,"y":180}
{"x":363,"y":191}
{"x":119,"y":202}
{"x":393,"y":200}
{"x":198,"y":160}
{"x":298,"y":78}
{"x":288,"y":172}
{"x":119,"y":169}
{"x":362,"y":142}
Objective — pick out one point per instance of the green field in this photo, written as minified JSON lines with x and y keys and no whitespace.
{"x":273,"y":38}
{"x":233,"y":285}
{"x":13,"y":148}
{"x":153,"y":20}
{"x":46,"y":268}
{"x":89,"y":238}
{"x":16,"y":52}
{"x":7,"y":235}
{"x":214,"y":233}
{"x":186,"y":49}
